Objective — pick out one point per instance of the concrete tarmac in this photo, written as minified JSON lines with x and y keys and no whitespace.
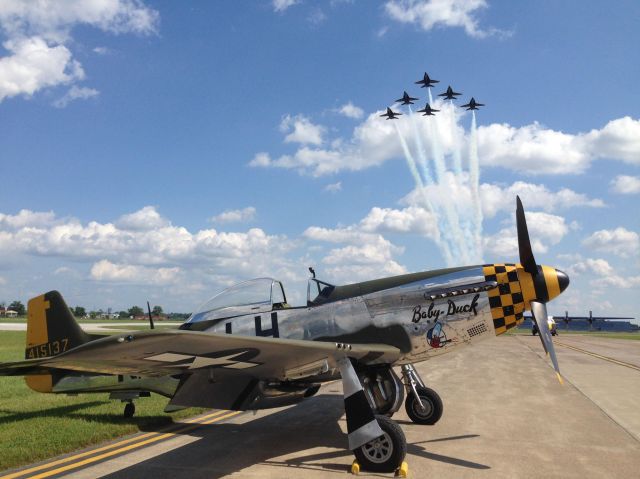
{"x":505,"y":416}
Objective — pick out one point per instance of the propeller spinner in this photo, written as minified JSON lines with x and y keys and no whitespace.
{"x":540,"y":285}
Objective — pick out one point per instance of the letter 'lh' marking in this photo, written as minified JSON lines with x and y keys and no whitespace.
{"x":273,"y":331}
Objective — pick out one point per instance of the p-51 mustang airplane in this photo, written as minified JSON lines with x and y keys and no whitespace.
{"x":247,"y":349}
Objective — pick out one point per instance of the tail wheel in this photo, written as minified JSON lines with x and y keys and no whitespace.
{"x":432,"y":411}
{"x":386,"y":453}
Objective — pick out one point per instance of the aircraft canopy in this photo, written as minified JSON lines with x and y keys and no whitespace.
{"x":253,"y":296}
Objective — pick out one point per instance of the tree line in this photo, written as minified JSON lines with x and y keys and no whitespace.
{"x":81,"y":312}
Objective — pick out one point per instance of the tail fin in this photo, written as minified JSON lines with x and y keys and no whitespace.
{"x":51,"y":330}
{"x":51,"y":327}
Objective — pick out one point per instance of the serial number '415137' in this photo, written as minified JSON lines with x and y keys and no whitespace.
{"x":48,"y":349}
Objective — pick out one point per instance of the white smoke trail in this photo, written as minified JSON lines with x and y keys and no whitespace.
{"x":452,"y":197}
{"x":474,"y":180}
{"x":411,"y":162}
{"x":456,"y":153}
{"x":436,"y":148}
{"x":454,"y":233}
{"x":422,"y":154}
{"x":464,"y":215}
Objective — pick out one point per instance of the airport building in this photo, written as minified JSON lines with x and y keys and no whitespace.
{"x":583,"y":325}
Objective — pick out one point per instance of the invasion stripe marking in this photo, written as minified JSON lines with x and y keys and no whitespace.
{"x":599,"y":356}
{"x":193,"y":423}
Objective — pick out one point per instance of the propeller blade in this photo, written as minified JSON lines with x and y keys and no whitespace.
{"x":539,"y":311}
{"x":544,"y":346}
{"x":524,"y":245}
{"x":150,"y":318}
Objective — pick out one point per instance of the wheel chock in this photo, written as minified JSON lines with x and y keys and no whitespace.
{"x":355,"y":468}
{"x":403,"y":470}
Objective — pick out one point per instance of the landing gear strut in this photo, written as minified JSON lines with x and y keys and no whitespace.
{"x":423,"y":405}
{"x":377,"y":442}
{"x":129,"y":409}
{"x":383,"y":389}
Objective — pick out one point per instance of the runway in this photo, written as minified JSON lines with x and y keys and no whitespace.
{"x":110,"y":327}
{"x":505,"y":415}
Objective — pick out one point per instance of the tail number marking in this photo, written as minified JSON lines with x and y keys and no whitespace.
{"x":51,"y":348}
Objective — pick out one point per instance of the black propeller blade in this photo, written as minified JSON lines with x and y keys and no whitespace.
{"x":150,"y":318}
{"x":524,"y":245}
{"x":538,"y":307}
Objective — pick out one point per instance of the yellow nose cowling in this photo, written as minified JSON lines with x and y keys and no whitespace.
{"x":546,"y":285}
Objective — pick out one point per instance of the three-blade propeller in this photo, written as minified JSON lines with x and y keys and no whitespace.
{"x":538,"y":307}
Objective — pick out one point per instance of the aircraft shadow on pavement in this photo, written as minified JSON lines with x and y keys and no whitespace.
{"x":295,"y":432}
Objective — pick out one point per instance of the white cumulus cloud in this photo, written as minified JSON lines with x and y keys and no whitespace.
{"x":351,"y":111}
{"x":530,"y":149}
{"x":105,"y":270}
{"x":619,"y":139}
{"x":75,"y":93}
{"x":144,"y":219}
{"x":545,"y":230}
{"x":38,"y":39}
{"x":299,"y":129}
{"x":619,"y":241}
{"x":606,"y":274}
{"x":282,"y":5}
{"x":33,"y":65}
{"x":334,"y":187}
{"x":626,"y":185}
{"x":496,"y":198}
{"x":235,"y":216}
{"x":27,"y":218}
{"x":430,"y":14}
{"x":144,"y":247}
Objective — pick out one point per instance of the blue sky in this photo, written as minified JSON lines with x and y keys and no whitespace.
{"x":164,"y":150}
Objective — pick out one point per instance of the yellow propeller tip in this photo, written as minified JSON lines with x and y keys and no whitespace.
{"x":560,"y":378}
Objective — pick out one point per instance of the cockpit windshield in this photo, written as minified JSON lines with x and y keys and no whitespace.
{"x":256,"y":295}
{"x":318,"y":291}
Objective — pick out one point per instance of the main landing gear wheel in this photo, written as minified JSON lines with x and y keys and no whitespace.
{"x":432,"y":403}
{"x":129,"y":410}
{"x":386,"y":453}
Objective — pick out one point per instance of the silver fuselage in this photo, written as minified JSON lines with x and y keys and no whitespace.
{"x":403,"y":316}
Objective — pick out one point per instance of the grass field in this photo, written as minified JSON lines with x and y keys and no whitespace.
{"x":35,"y":426}
{"x":23,"y":319}
{"x":598,"y":334}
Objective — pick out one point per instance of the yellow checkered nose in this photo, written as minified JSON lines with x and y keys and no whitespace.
{"x":507,"y":300}
{"x":517,"y":288}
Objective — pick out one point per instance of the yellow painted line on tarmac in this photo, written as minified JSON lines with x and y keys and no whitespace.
{"x":595,"y":355}
{"x":137,"y":442}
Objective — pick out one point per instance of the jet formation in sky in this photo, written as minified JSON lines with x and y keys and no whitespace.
{"x":428,"y":82}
